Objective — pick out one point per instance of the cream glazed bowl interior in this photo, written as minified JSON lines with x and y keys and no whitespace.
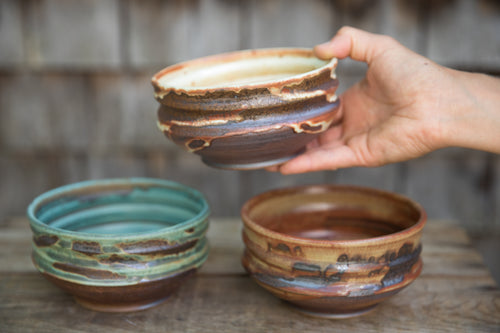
{"x":247,"y":109}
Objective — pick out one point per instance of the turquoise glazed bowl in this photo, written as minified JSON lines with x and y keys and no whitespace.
{"x":121,"y":244}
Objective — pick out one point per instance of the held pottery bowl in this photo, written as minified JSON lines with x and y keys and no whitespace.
{"x":332,"y":251}
{"x":247,"y":109}
{"x":121,"y":244}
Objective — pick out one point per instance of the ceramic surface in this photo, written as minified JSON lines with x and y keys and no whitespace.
{"x":332,"y":251}
{"x":247,"y":109}
{"x":120,"y":244}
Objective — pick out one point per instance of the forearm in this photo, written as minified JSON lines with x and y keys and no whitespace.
{"x":475,"y":118}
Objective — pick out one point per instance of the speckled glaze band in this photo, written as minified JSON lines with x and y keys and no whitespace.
{"x":247,"y":109}
{"x":119,"y":244}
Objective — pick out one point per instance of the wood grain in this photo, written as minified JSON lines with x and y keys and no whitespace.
{"x":166,"y":32}
{"x":455,"y":293}
{"x":465,"y":34}
{"x":439,"y":179}
{"x":386,"y":177}
{"x":76,"y":34}
{"x":11,"y":34}
{"x":288,"y":23}
{"x":76,"y":102}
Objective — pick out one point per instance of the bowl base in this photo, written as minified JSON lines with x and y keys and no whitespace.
{"x":247,"y":166}
{"x":334,"y":315}
{"x":128,"y":307}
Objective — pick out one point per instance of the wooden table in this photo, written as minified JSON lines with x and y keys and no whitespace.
{"x":455,"y":293}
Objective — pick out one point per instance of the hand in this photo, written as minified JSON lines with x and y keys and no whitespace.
{"x":405,"y":107}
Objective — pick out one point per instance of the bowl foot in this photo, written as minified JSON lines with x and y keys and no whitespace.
{"x":247,"y":166}
{"x":334,"y":315}
{"x":128,"y":307}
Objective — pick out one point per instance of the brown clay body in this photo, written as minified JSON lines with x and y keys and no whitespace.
{"x":247,"y":109}
{"x":330,"y":250}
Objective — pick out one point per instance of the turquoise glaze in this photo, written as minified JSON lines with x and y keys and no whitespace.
{"x":119,"y":232}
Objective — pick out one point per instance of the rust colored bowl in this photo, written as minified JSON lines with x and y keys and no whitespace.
{"x":247,"y":109}
{"x":121,"y":244}
{"x":332,"y":251}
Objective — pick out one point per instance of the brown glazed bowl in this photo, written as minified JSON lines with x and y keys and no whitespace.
{"x":247,"y":109}
{"x":119,"y":245}
{"x":332,"y":251}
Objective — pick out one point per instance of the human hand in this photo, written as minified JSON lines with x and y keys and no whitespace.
{"x":405,"y":107}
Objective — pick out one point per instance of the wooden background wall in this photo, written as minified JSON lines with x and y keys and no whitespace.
{"x":76,"y":101}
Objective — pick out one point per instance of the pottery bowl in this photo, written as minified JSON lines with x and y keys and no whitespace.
{"x":120,"y":244}
{"x":247,"y":109}
{"x":332,"y":251}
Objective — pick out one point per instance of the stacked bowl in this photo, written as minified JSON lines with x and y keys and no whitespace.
{"x":121,"y":244}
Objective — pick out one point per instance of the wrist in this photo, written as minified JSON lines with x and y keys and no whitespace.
{"x":473,"y":119}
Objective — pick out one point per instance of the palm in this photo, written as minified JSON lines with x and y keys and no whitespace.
{"x":383,"y":119}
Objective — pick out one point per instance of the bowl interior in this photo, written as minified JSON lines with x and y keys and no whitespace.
{"x":239,"y":68}
{"x":332,"y":213}
{"x":116,"y":208}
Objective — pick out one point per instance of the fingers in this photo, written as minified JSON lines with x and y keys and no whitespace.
{"x":273,"y":168}
{"x":320,"y":159}
{"x":338,"y":47}
{"x":357,"y":44}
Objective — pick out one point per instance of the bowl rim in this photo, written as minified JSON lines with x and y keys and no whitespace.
{"x":330,"y":65}
{"x":389,"y":238}
{"x":61,"y":191}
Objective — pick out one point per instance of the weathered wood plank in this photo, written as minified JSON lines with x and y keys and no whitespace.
{"x":284,"y":23}
{"x":45,"y":112}
{"x":489,"y":247}
{"x":402,"y":20}
{"x":106,"y":97}
{"x":228,"y":304}
{"x":220,"y":187}
{"x":24,"y":117}
{"x":450,"y":187}
{"x":166,"y":32}
{"x":166,"y":43}
{"x":385,"y":178}
{"x":216,"y":28}
{"x":69,"y":112}
{"x":465,"y":33}
{"x":25,"y":176}
{"x":122,"y":165}
{"x":226,"y":247}
{"x":76,"y":34}
{"x":75,"y":112}
{"x":21,"y":179}
{"x":363,"y":14}
{"x":138,"y":114}
{"x":454,"y":293}
{"x":11,"y":34}
{"x":222,"y":299}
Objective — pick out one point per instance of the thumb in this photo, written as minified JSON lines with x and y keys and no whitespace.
{"x":354,"y":43}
